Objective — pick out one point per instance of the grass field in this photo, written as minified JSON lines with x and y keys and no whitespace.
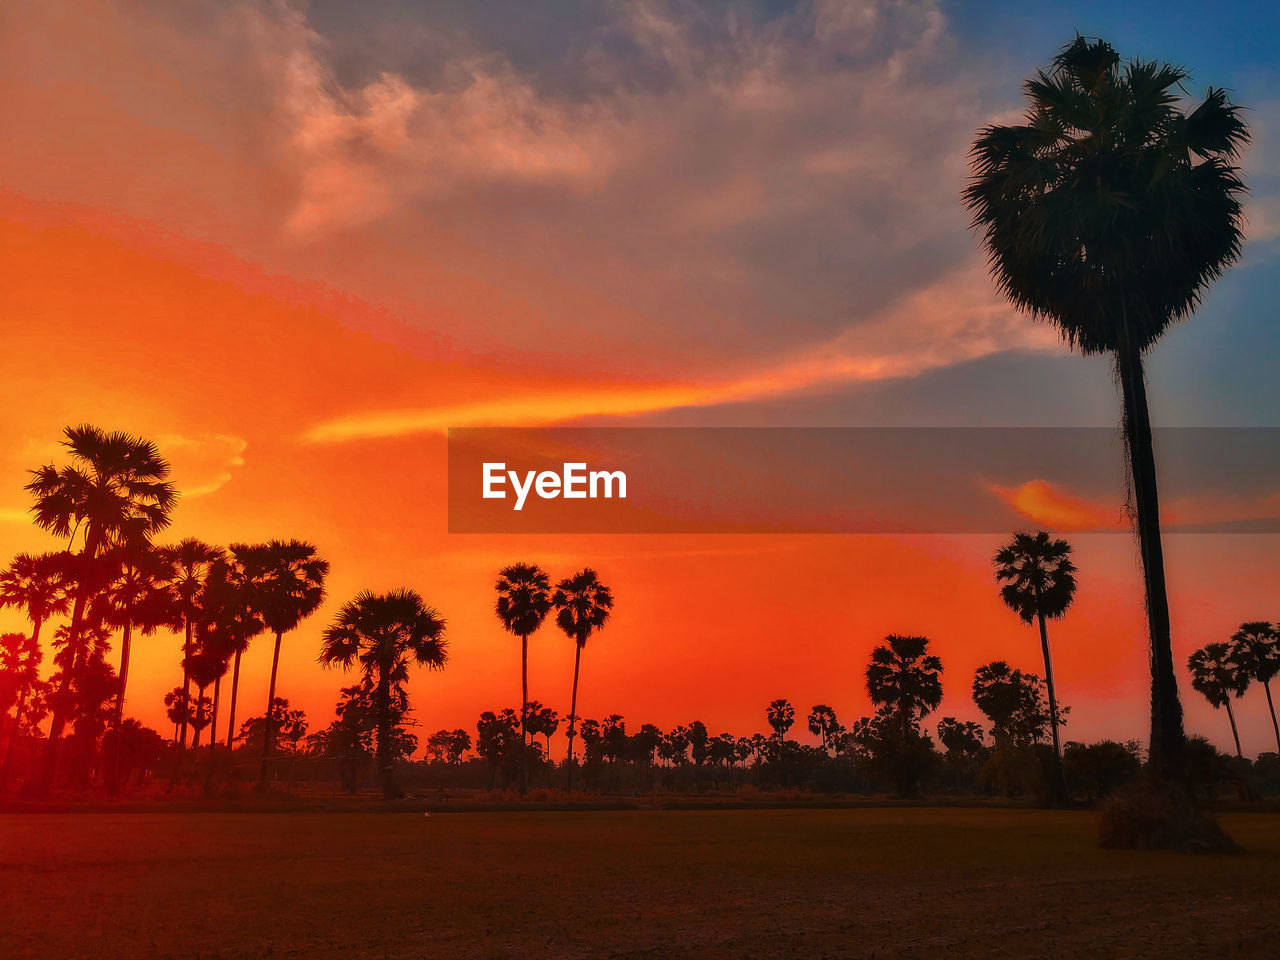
{"x":737,"y":883}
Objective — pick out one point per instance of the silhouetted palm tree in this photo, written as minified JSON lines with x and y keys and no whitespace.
{"x":386,"y":633}
{"x":582,"y":605}
{"x":905,"y":678}
{"x":235,"y":594}
{"x":138,"y":595}
{"x":524,"y":598}
{"x":823,"y":723}
{"x":1108,"y":213}
{"x":1219,"y":677}
{"x":1038,"y":583}
{"x":115,"y":490}
{"x":37,"y":585}
{"x":781,"y":715}
{"x":190,"y":562}
{"x":1256,"y":648}
{"x":289,"y":586}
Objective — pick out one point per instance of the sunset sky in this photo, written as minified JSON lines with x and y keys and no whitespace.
{"x":294,"y":243}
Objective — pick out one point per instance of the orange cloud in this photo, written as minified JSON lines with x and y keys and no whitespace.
{"x":1040,"y":501}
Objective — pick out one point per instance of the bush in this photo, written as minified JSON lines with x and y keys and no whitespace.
{"x":1149,"y":815}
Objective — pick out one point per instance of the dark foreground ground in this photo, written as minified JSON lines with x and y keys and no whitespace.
{"x":660,"y":884}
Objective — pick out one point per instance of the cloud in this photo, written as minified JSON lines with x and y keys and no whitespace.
{"x":904,"y":340}
{"x":201,"y":463}
{"x":1049,"y":506}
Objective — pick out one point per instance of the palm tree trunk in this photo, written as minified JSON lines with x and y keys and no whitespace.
{"x":186,"y":683}
{"x":195,"y":727}
{"x":231,"y":710}
{"x":573,"y":710}
{"x":268,"y":733}
{"x":1059,"y":786}
{"x":113,"y":766}
{"x":524,"y":714}
{"x":49,"y":767}
{"x":386,"y":763}
{"x":213,"y":718}
{"x":1167,"y":747}
{"x":1266,"y":685}
{"x":1235,"y":734}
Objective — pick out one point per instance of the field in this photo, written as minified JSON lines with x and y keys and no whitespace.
{"x":883,"y":882}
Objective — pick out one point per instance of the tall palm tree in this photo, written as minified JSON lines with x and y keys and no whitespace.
{"x":906,"y":680}
{"x":1217,"y":675}
{"x":524,"y":597}
{"x":116,"y":490}
{"x":190,"y":562}
{"x":1038,"y":584}
{"x":138,"y":595}
{"x":234,"y":592}
{"x":583,"y":605}
{"x":823,"y":723}
{"x":20,"y":658}
{"x":385,"y":633}
{"x":289,"y":584}
{"x":1256,"y":648}
{"x":1109,"y":212}
{"x":781,"y":715}
{"x":208,"y":664}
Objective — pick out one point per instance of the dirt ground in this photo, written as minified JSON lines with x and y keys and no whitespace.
{"x":635,"y":884}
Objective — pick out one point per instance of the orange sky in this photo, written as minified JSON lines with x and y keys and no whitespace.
{"x":293,"y":264}
{"x":229,"y":369}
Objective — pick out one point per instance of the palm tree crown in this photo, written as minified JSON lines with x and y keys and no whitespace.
{"x":115,"y":487}
{"x":36,"y":585}
{"x":1109,"y":205}
{"x":1037,"y":574}
{"x":905,"y":676}
{"x":582,"y":604}
{"x":384,"y":633}
{"x":524,"y":598}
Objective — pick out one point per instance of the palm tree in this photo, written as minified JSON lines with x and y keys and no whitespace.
{"x":289,"y":585}
{"x":1256,"y":648}
{"x":386,"y":633}
{"x":207,"y":664}
{"x":190,"y":563}
{"x":234,"y":592}
{"x":823,"y":723}
{"x":582,"y":605}
{"x":36,"y":585}
{"x":20,"y":658}
{"x":1217,"y":675}
{"x":115,"y":489}
{"x":781,"y":715}
{"x":1039,"y":584}
{"x":524,"y":597}
{"x":904,"y":678}
{"x":137,"y":596}
{"x":1108,"y":213}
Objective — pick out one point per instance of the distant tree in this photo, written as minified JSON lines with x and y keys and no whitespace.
{"x":1219,"y":677}
{"x":541,"y":721}
{"x":114,"y":490}
{"x":524,"y":599}
{"x":781,"y":716}
{"x":1015,"y":704}
{"x":1098,"y":769}
{"x":1038,"y":584}
{"x":961,"y":738}
{"x":232,"y":602}
{"x":583,"y":605}
{"x":1109,"y":212}
{"x":1255,"y":648}
{"x":385,"y":633}
{"x":498,"y":740}
{"x":822,"y":724}
{"x":290,"y":723}
{"x":905,"y":679}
